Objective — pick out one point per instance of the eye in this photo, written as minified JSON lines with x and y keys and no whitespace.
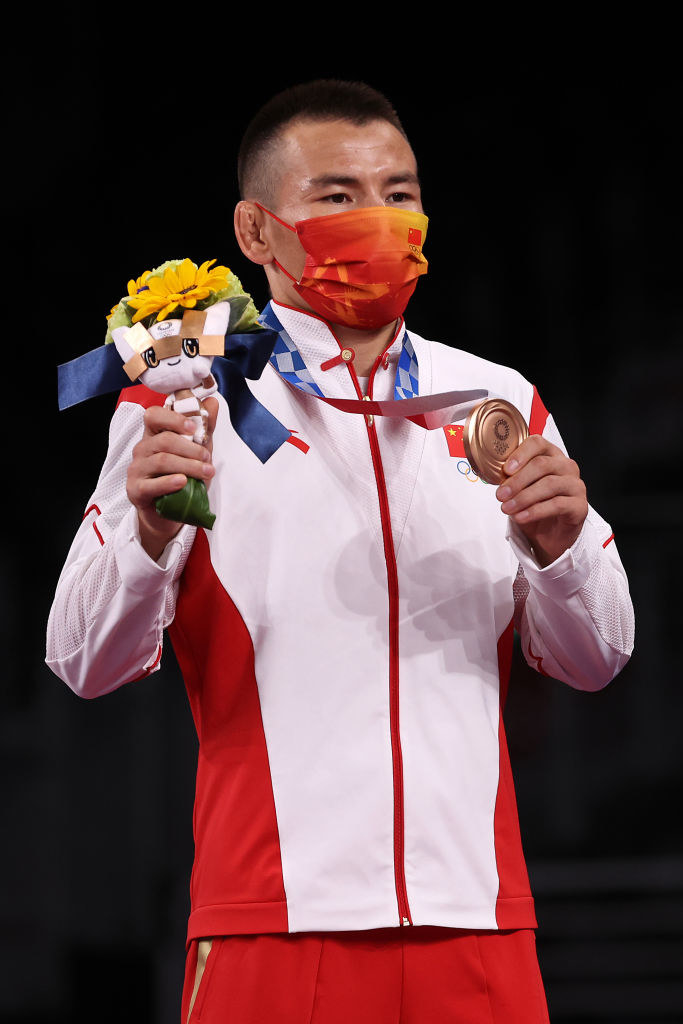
{"x":336,"y":197}
{"x":151,"y":358}
{"x":191,"y":347}
{"x":398,"y":197}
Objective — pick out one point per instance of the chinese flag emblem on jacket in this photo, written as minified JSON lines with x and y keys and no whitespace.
{"x":454,"y":436}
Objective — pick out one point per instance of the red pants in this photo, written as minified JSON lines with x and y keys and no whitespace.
{"x":386,"y":976}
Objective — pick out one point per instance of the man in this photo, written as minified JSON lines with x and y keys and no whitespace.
{"x":345,"y":630}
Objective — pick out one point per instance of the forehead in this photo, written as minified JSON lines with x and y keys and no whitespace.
{"x":308,"y":150}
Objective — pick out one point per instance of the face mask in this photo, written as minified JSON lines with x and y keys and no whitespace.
{"x":362,"y":265}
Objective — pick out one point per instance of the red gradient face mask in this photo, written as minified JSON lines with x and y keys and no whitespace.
{"x":361,"y":265}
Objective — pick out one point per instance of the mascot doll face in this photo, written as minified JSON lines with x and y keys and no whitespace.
{"x":174,"y":354}
{"x":184,"y":370}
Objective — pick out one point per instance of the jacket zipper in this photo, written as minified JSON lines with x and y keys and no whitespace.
{"x":394,"y":703}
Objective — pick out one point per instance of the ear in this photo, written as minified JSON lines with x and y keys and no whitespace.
{"x":250,"y":234}
{"x":122,"y":346}
{"x":217,"y":318}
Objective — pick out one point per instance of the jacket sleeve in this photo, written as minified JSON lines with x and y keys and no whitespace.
{"x":113,"y":601}
{"x":574,"y":616}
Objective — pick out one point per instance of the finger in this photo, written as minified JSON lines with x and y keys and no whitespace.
{"x":542,"y":490}
{"x":165,"y":463}
{"x":159,"y":418}
{"x":532,"y":446}
{"x":536,"y":469}
{"x":211,"y":406}
{"x":171,"y":443}
{"x":146,"y":490}
{"x":562,"y":506}
{"x":146,"y":485}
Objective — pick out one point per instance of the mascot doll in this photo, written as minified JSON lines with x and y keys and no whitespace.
{"x":167,"y":331}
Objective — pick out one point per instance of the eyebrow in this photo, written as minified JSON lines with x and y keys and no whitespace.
{"x":325,"y":180}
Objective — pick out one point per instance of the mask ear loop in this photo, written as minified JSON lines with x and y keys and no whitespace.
{"x":285,"y":225}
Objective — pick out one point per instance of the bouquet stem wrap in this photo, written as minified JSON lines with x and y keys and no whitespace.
{"x":190,"y":505}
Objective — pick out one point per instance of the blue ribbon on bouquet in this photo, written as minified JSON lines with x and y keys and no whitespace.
{"x":246,"y":355}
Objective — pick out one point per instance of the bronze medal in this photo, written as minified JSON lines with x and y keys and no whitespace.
{"x":493,"y":430}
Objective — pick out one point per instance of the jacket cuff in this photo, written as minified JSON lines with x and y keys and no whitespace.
{"x":138,"y":571}
{"x":566,"y":574}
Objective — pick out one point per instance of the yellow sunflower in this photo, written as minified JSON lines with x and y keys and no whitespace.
{"x":133,"y":288}
{"x":184,"y":285}
{"x":137,"y":286}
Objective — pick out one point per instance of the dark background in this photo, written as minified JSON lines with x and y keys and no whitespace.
{"x":553,"y":185}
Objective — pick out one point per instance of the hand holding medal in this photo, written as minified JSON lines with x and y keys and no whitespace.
{"x":539,"y":487}
{"x":493,"y":431}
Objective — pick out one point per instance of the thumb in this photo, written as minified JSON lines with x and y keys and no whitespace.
{"x":211,"y":406}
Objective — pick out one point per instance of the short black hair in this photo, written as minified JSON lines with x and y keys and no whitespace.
{"x":325,"y":99}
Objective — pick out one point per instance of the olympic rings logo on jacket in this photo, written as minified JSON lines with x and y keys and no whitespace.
{"x":465,"y":469}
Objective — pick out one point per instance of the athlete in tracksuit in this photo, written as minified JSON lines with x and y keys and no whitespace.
{"x":345,"y":634}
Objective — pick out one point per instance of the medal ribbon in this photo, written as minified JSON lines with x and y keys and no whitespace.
{"x":429,"y":411}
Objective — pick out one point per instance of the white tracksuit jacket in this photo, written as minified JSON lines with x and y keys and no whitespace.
{"x":345,"y":634}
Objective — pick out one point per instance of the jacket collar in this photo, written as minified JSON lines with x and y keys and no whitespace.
{"x":306,"y":344}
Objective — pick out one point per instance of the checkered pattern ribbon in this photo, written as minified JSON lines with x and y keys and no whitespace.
{"x":287,"y":359}
{"x":407,"y":383}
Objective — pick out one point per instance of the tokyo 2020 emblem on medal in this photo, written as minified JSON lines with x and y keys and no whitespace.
{"x":493,"y":430}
